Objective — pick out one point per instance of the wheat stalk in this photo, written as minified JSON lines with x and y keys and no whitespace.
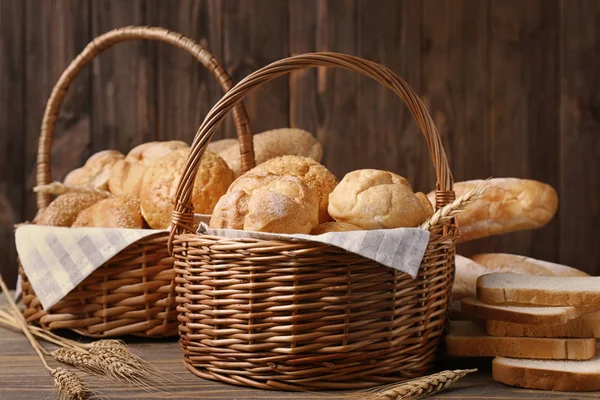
{"x":415,"y":388}
{"x":58,"y":188}
{"x":450,"y":211}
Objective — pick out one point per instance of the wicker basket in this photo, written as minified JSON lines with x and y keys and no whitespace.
{"x":301,"y":315}
{"x":133,"y":292}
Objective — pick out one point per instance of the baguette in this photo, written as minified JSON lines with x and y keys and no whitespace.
{"x":521,"y":315}
{"x":587,"y":325}
{"x":572,"y":376}
{"x":541,"y":290}
{"x":466,"y":339}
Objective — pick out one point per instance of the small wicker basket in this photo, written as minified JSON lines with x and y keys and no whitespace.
{"x":133,"y":293}
{"x":276,"y":314}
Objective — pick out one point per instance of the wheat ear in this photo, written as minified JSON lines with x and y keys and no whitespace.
{"x":449,"y":211}
{"x":415,"y":388}
{"x":69,"y":385}
{"x":58,"y":188}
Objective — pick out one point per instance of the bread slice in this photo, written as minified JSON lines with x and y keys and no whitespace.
{"x":466,"y":339}
{"x":542,"y":290}
{"x":515,"y":264}
{"x":569,"y":376}
{"x":521,"y":315}
{"x":585,"y":326}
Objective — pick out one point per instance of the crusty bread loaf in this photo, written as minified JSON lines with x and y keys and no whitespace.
{"x":275,"y":143}
{"x":219,"y":146}
{"x":569,"y":376}
{"x":587,"y":325}
{"x":268,"y":203}
{"x":162,"y":177}
{"x":147,"y":153}
{"x":313,"y":174}
{"x":63,"y":210}
{"x":112,"y":212}
{"x":126,"y":178}
{"x":541,"y":290}
{"x":427,"y":206}
{"x":510,"y":204}
{"x":515,"y":264}
{"x":521,"y":315}
{"x":333,"y":226}
{"x":96,"y":171}
{"x":466,"y":339}
{"x":374,"y":199}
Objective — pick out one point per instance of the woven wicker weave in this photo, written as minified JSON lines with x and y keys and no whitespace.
{"x":133,"y":292}
{"x":304,"y":316}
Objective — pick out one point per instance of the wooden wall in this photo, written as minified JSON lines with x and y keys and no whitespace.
{"x":514,"y":86}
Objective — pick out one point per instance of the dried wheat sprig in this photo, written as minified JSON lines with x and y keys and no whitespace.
{"x":58,"y":188}
{"x":415,"y":388}
{"x":449,"y":211}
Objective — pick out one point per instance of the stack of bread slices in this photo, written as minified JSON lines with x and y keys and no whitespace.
{"x":541,"y":330}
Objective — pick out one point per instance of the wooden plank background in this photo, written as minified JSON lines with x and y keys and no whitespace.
{"x":512,"y":84}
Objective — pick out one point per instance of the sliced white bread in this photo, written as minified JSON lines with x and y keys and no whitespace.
{"x":521,"y":315}
{"x":568,"y":376}
{"x":515,"y":289}
{"x":586,"y":326}
{"x":515,"y":264}
{"x":466,"y":339}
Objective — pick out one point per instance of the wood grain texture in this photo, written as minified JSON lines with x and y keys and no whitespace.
{"x":123,"y":77}
{"x":580,"y":134}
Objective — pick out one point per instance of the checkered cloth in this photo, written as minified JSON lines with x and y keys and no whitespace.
{"x":56,"y":260}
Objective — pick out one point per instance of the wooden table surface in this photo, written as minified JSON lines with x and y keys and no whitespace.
{"x":23,"y":377}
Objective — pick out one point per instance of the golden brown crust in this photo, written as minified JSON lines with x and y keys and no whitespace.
{"x":333,"y":226}
{"x":147,"y":153}
{"x":96,"y":171}
{"x":427,"y":207}
{"x":126,"y":178}
{"x":162,"y":177}
{"x":374,"y":199}
{"x":63,"y":210}
{"x":112,"y":212}
{"x":218,"y":146}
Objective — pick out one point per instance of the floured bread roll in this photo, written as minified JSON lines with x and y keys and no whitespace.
{"x":162,"y":177}
{"x":374,"y":199}
{"x":275,"y":143}
{"x":146,"y":153}
{"x":314,"y":175}
{"x":96,"y":171}
{"x":221,"y":145}
{"x":112,"y":212}
{"x":268,"y":203}
{"x":333,"y":227}
{"x":65,"y":208}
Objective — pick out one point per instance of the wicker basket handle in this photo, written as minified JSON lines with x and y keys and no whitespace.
{"x":183,"y":212}
{"x":100,"y":44}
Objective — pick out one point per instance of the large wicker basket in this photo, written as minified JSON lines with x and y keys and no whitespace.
{"x":133,"y":293}
{"x":293,"y":315}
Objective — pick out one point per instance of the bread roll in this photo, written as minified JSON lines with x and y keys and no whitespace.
{"x":112,"y":212}
{"x":425,"y":202}
{"x":326,"y":227}
{"x":162,"y":177}
{"x":219,"y":146}
{"x":271,"y":203}
{"x":96,"y":171}
{"x":147,"y":153}
{"x":275,"y":143}
{"x":374,"y":199}
{"x":509,"y":205}
{"x":65,"y":208}
{"x":126,"y":178}
{"x":315,"y":175}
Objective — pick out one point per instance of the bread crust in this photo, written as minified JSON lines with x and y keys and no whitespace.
{"x":587,"y":325}
{"x":147,"y":153}
{"x":112,"y":212}
{"x":333,"y":226}
{"x":126,"y":178}
{"x":63,"y":210}
{"x":96,"y":171}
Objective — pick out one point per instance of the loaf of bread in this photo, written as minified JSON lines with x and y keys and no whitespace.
{"x":584,"y":326}
{"x":147,"y":153}
{"x":466,"y":339}
{"x":374,"y":199}
{"x":333,"y":226}
{"x":126,"y":178}
{"x":63,"y":210}
{"x":465,"y":277}
{"x":509,"y":205}
{"x":112,"y":212}
{"x":268,"y":203}
{"x":568,"y":376}
{"x":275,"y":143}
{"x":162,"y":177}
{"x":96,"y":171}
{"x":313,"y":174}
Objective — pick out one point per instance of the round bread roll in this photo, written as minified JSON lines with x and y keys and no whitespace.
{"x":333,"y":227}
{"x":221,"y":145}
{"x":96,"y":171}
{"x":425,"y":202}
{"x":315,"y":175}
{"x":147,"y":153}
{"x":126,"y":178}
{"x":65,"y":208}
{"x":162,"y":177}
{"x":275,"y":143}
{"x":112,"y":212}
{"x":374,"y":199}
{"x":280,"y":204}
